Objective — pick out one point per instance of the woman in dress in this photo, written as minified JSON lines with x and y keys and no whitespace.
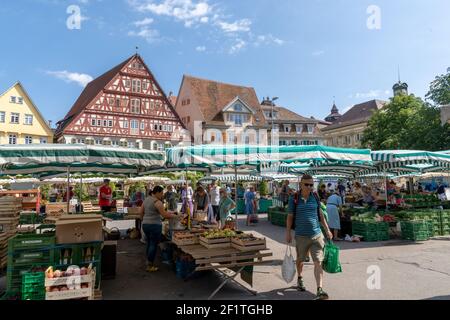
{"x":225,"y":207}
{"x":334,"y":210}
{"x":250,"y":204}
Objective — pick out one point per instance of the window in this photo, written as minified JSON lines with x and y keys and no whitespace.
{"x":236,"y":118}
{"x":43,"y":140}
{"x":28,"y":119}
{"x":111,"y":101}
{"x":282,"y":143}
{"x":98,"y":141}
{"x":93,"y":122}
{"x":13,"y":99}
{"x":118,"y":103}
{"x":144,"y":85}
{"x":106,"y":142}
{"x":2,"y":117}
{"x":110,"y":123}
{"x":20,"y":100}
{"x":310,"y":128}
{"x":142,"y":125}
{"x":188,"y":119}
{"x":125,"y":124}
{"x":80,"y":141}
{"x":134,"y":124}
{"x":124,"y":144}
{"x":73,"y":141}
{"x":247,"y":139}
{"x":131,"y":144}
{"x":160,"y":127}
{"x":105,"y":123}
{"x":12,"y":139}
{"x":127,"y":83}
{"x":294,"y":142}
{"x":231,"y":137}
{"x":99,"y":122}
{"x":299,"y":128}
{"x":160,"y":146}
{"x":14,"y":118}
{"x":287,"y":128}
{"x":135,"y":106}
{"x":115,"y":143}
{"x":136,"y":86}
{"x":28,"y":140}
{"x":238,"y":107}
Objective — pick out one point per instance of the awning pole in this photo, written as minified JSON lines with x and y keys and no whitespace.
{"x":68,"y":189}
{"x":81,"y":191}
{"x":236,"y":195}
{"x":385,"y":188}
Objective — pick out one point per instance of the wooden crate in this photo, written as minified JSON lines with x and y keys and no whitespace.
{"x":249,"y":244}
{"x":71,"y":294}
{"x":215,"y":243}
{"x":200,"y":216}
{"x":185,"y":238}
{"x":89,"y":207}
{"x":56,"y":208}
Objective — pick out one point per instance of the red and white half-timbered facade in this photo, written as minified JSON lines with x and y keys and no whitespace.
{"x":123,"y":107}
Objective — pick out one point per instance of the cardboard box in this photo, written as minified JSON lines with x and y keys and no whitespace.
{"x":79,"y":229}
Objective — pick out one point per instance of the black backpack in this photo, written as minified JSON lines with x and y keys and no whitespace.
{"x":296,"y":200}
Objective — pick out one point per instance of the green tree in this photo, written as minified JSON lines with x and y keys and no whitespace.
{"x":406,"y":122}
{"x":263,"y":188}
{"x":439,"y":91}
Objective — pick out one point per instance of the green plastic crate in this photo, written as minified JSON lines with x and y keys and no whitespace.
{"x":33,"y":286}
{"x":383,"y":235}
{"x":29,"y":241}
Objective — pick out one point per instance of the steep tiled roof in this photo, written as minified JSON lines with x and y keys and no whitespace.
{"x":287,"y":115}
{"x":212,"y":97}
{"x":357,"y":114}
{"x":89,"y":93}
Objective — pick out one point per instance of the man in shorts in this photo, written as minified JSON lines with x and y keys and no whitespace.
{"x":304,"y":206}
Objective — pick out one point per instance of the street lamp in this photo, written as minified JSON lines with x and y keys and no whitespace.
{"x":272,"y":103}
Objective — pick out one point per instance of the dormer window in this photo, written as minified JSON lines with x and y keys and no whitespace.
{"x":238,"y":107}
{"x":299,"y":128}
{"x":287,"y":128}
{"x":310,"y":128}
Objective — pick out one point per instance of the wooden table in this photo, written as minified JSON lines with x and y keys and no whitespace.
{"x":223,"y":260}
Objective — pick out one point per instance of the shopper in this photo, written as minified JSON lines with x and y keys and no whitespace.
{"x":214,"y":195}
{"x":305,"y":206}
{"x":225,"y":206}
{"x":200,"y":200}
{"x":341,"y":190}
{"x":323,"y":195}
{"x":441,"y":192}
{"x":105,"y":196}
{"x":171,"y":199}
{"x":334,"y":210}
{"x":151,"y":212}
{"x":284,"y":195}
{"x":250,"y":204}
{"x":187,"y":195}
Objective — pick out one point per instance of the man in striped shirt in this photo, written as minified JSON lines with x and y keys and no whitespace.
{"x":308,"y":235}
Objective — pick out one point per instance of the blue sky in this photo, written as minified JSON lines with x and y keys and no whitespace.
{"x":304,"y":52}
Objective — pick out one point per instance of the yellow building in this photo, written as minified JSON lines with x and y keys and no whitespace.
{"x":20,"y":120}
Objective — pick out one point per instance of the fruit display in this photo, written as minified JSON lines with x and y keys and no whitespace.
{"x":421,"y":200}
{"x":217,"y":234}
{"x":74,"y":283}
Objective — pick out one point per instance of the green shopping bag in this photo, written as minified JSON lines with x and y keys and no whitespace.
{"x":331,"y":262}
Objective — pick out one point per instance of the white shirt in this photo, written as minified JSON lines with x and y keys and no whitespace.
{"x":214,"y":194}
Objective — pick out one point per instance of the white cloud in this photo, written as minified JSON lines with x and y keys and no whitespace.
{"x":150,"y":35}
{"x":268,"y":40}
{"x":201,"y":48}
{"x":318,"y":53}
{"x":237,"y":26}
{"x":370,"y":94}
{"x":187,"y":11}
{"x":238,"y":46}
{"x":79,"y":78}
{"x":144,"y":22}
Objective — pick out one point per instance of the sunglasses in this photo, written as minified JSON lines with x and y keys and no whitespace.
{"x":308,"y":185}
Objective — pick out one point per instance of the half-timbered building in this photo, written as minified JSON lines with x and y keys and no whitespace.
{"x":124,"y":107}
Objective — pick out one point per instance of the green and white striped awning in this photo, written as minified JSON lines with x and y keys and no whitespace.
{"x":238,"y":155}
{"x":51,"y":159}
{"x":398,"y":158}
{"x":232,"y":177}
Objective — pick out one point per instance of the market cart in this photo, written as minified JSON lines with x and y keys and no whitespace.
{"x":229,"y":262}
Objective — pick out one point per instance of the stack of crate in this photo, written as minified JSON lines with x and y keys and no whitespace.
{"x":417,"y":230}
{"x":371,"y":231}
{"x":445,"y":222}
{"x":10,"y":208}
{"x":28,"y":253}
{"x":79,"y":254}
